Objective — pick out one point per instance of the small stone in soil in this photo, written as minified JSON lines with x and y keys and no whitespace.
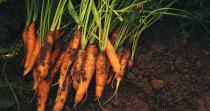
{"x":157,"y":83}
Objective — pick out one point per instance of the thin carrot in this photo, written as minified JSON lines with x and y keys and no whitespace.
{"x":62,"y":94}
{"x":45,"y":54}
{"x":34,"y":57}
{"x":112,"y":57}
{"x":123,"y":63}
{"x":88,"y":67}
{"x":130,"y":63}
{"x":43,"y":92}
{"x":44,"y":85}
{"x":69,"y":56}
{"x":76,"y":71}
{"x":114,"y":34}
{"x":111,"y":72}
{"x":100,"y":74}
{"x":30,"y":42}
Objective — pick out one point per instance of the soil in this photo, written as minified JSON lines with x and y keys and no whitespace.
{"x":167,"y":76}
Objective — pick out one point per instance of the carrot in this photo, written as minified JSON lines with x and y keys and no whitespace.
{"x":43,"y":92}
{"x":62,"y":95}
{"x":112,"y":57}
{"x":114,"y":34}
{"x":30,"y":42}
{"x":44,"y":85}
{"x":123,"y":63}
{"x":34,"y":57}
{"x":76,"y":71}
{"x":130,"y":63}
{"x":45,"y":55}
{"x":69,"y":56}
{"x":100,"y":74}
{"x":111,"y":73}
{"x":88,"y":67}
{"x":36,"y":78}
{"x":57,"y":66}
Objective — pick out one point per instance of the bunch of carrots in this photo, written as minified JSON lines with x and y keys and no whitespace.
{"x":102,"y":45}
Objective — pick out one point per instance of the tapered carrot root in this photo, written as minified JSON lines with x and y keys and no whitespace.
{"x":34,"y":57}
{"x":45,"y":55}
{"x":44,"y":85}
{"x":100,"y":74}
{"x":62,"y":95}
{"x":111,"y":72}
{"x":56,"y":67}
{"x":30,"y":43}
{"x":76,"y":71}
{"x":36,"y":78}
{"x":88,"y":67}
{"x":69,"y":57}
{"x":112,"y":57}
{"x":123,"y":63}
{"x":43,"y":92}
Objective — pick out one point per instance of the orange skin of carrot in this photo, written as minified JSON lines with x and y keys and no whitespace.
{"x":76,"y":71}
{"x":111,"y":73}
{"x":123,"y":62}
{"x":114,"y":34}
{"x":34,"y":57}
{"x":45,"y":55}
{"x":62,"y":94}
{"x":100,"y":74}
{"x":130,"y":63}
{"x":44,"y":85}
{"x":88,"y":67}
{"x":112,"y":57}
{"x":69,"y":57}
{"x":30,"y":42}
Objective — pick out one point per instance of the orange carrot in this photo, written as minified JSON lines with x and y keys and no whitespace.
{"x":30,"y":42}
{"x":76,"y":71}
{"x":112,"y":57}
{"x":130,"y":63}
{"x":123,"y":63}
{"x":34,"y":57}
{"x":42,"y":91}
{"x":44,"y":85}
{"x":45,"y":55}
{"x":111,"y":73}
{"x":114,"y":34}
{"x":69,"y":56}
{"x":62,"y":94}
{"x":100,"y":74}
{"x":88,"y":67}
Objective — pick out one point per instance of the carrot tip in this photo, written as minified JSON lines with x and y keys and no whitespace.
{"x":118,"y":83}
{"x":26,"y":72}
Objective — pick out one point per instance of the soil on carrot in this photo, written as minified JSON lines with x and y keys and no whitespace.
{"x":167,"y":76}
